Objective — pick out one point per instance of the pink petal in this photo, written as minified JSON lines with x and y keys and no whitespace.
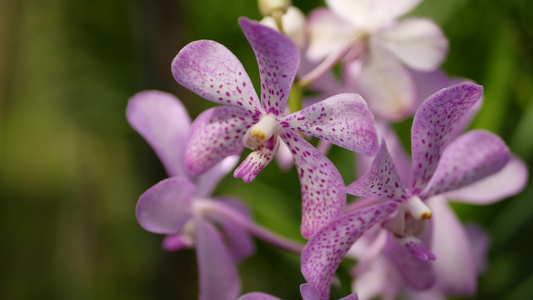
{"x":284,"y":157}
{"x":327,"y":247}
{"x":240,"y":244}
{"x":433,"y":123}
{"x":371,"y":13}
{"x":378,"y":281}
{"x":309,"y":292}
{"x":293,"y":25}
{"x":327,"y":33}
{"x":343,"y":120}
{"x":177,"y":242}
{"x":278,"y":60}
{"x":166,"y":207}
{"x":206,"y":183}
{"x":455,"y":267}
{"x":419,"y":43}
{"x":505,"y":183}
{"x":257,"y":296}
{"x":163,"y":122}
{"x":322,"y":197}
{"x":386,"y":84}
{"x":218,"y":277}
{"x":382,"y":181}
{"x":468,"y":159}
{"x":210,"y":70}
{"x":416,"y":274}
{"x":216,"y":133}
{"x":257,"y":160}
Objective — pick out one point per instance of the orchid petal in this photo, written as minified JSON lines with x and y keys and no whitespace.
{"x":432,"y":125}
{"x":371,"y":13}
{"x":343,"y":120}
{"x":428,"y":83}
{"x":327,"y":33}
{"x":507,"y":182}
{"x":322,"y":197}
{"x":240,"y":244}
{"x":381,"y":181}
{"x":402,"y":160}
{"x":177,"y":242}
{"x":163,"y":122}
{"x":455,"y":267}
{"x":309,"y":292}
{"x":257,"y":160}
{"x":379,"y":279}
{"x":479,"y":243}
{"x":218,"y":277}
{"x":324,"y":251}
{"x":284,"y":157}
{"x":166,"y":207}
{"x":386,"y":84}
{"x":208,"y":181}
{"x":210,"y":70}
{"x":416,"y":274}
{"x":257,"y":296}
{"x":216,"y":133}
{"x":278,"y":60}
{"x":419,"y":43}
{"x":468,"y":159}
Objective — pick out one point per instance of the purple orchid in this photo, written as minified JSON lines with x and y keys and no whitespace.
{"x":181,"y":206}
{"x":441,"y":163}
{"x":307,"y":290}
{"x":213,"y":72}
{"x":367,"y":33}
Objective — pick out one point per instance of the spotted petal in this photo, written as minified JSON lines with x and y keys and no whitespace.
{"x":468,"y":159}
{"x":163,"y":122}
{"x":257,"y":160}
{"x":210,"y":70}
{"x":433,"y":123}
{"x":322,"y":197}
{"x":343,"y":120}
{"x":381,"y":181}
{"x":507,"y":182}
{"x":218,"y":277}
{"x":326,"y":248}
{"x":278,"y":60}
{"x":216,"y":133}
{"x":166,"y":207}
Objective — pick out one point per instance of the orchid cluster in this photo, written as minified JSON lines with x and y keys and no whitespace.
{"x":403,"y":234}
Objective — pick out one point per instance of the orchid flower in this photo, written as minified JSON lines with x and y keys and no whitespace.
{"x":307,"y":290}
{"x":441,"y":163}
{"x":181,"y":206}
{"x":369,"y":32}
{"x":213,"y":72}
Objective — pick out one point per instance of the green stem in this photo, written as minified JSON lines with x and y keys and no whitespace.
{"x":295,"y":98}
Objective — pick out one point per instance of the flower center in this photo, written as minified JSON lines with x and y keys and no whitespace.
{"x":262,"y":132}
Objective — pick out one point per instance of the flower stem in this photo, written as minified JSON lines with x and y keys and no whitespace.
{"x":333,"y":58}
{"x":218,"y":208}
{"x":295,"y":98}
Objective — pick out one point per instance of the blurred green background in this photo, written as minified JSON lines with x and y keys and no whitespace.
{"x":71,"y":168}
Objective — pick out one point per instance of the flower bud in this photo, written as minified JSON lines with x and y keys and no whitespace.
{"x":268,"y":7}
